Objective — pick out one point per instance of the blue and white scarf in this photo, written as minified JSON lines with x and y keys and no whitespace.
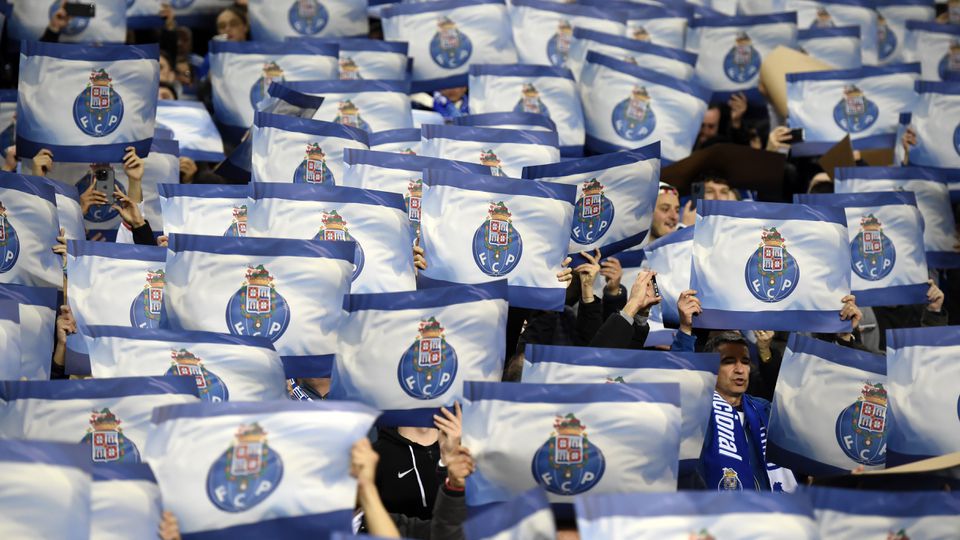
{"x":525,"y":517}
{"x":839,"y":47}
{"x":847,"y":514}
{"x":209,"y":210}
{"x":37,"y":315}
{"x":193,"y":127}
{"x":368,"y":105}
{"x":401,"y":141}
{"x":893,"y":16}
{"x":271,"y":20}
{"x":373,"y":59}
{"x":28,"y":229}
{"x":543,"y":30}
{"x":10,"y":340}
{"x":937,"y":48}
{"x":505,"y":151}
{"x":834,"y":13}
{"x":677,"y":63}
{"x":125,"y":502}
{"x":934,"y":120}
{"x":30,"y":18}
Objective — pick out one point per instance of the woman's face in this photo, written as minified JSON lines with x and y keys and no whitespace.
{"x":231,"y":25}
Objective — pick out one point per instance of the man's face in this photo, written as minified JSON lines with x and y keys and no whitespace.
{"x":665,"y":215}
{"x":715,"y":191}
{"x":710,"y":126}
{"x":734,"y":372}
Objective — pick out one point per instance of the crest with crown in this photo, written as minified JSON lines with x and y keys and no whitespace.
{"x":592,"y":187}
{"x":488,"y":158}
{"x":870,"y":222}
{"x":3,"y":209}
{"x":408,"y":151}
{"x":639,"y":93}
{"x":155,"y":278}
{"x":823,"y":14}
{"x":446,"y":24}
{"x":100,"y":78}
{"x":104,"y":420}
{"x":333,"y":221}
{"x":272,"y":70}
{"x":702,"y":535}
{"x":640,"y":33}
{"x":348,"y":108}
{"x":240,"y":213}
{"x":250,"y":434}
{"x":564,"y":27}
{"x":743,"y":38}
{"x":259,"y":276}
{"x":899,"y":535}
{"x":771,"y":237}
{"x":569,"y":425}
{"x":852,"y":91}
{"x":184,"y":357}
{"x":955,"y":46}
{"x":314,"y":152}
{"x":415,"y":188}
{"x":874,"y":393}
{"x":530,"y":91}
{"x":430,"y":329}
{"x":498,"y":211}
{"x":617,"y":379}
{"x":347,"y":64}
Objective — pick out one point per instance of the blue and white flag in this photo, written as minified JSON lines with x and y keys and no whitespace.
{"x":224,"y":367}
{"x":99,"y":218}
{"x":109,"y":418}
{"x":570,"y":439}
{"x":241,"y":73}
{"x":937,"y":47}
{"x":375,"y":221}
{"x":476,"y":229}
{"x":889,"y":266}
{"x":616,"y":194}
{"x":10,"y":366}
{"x":505,"y":151}
{"x":271,"y":20}
{"x":677,"y":63}
{"x":30,"y":19}
{"x":760,"y":7}
{"x":839,"y":47}
{"x":193,"y":127}
{"x":37,"y":314}
{"x":511,"y":120}
{"x":834,"y":13}
{"x":626,"y":106}
{"x":69,"y":212}
{"x":730,"y":50}
{"x":543,"y":30}
{"x":670,"y":257}
{"x":934,"y":120}
{"x":433,"y":340}
{"x":46,"y":490}
{"x":290,"y":291}
{"x":193,"y":12}
{"x":301,"y":151}
{"x":892,"y":19}
{"x":923,"y":386}
{"x":664,"y":24}
{"x":631,"y":263}
{"x":125,"y":503}
{"x":258,"y":470}
{"x":847,"y":514}
{"x":544,"y":90}
{"x":363,"y":104}
{"x":829,"y":413}
{"x":525,"y":517}
{"x":86,"y":103}
{"x":933,"y":199}
{"x":28,"y":231}
{"x":8,"y":116}
{"x":795,"y":261}
{"x":863,"y":103}
{"x":445,"y":37}
{"x":697,"y":515}
{"x":373,"y":59}
{"x":209,"y":210}
{"x":696,"y":373}
{"x":144,"y":14}
{"x":400,"y":141}
{"x":160,"y":167}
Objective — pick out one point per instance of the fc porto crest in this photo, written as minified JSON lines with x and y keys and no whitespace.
{"x":76,"y":24}
{"x":313,"y":169}
{"x":209,"y":386}
{"x":429,"y":366}
{"x":271,"y":72}
{"x":489,"y":159}
{"x":238,"y":227}
{"x":497,"y":246}
{"x":247,"y":473}
{"x":633,"y":118}
{"x":98,"y":109}
{"x":558,"y":47}
{"x":592,"y":215}
{"x":855,"y":113}
{"x":147,"y":308}
{"x":823,"y":19}
{"x":742,"y":62}
{"x":861,"y":427}
{"x":886,"y":39}
{"x":412,"y":200}
{"x":106,"y":440}
{"x":771,"y":273}
{"x":348,"y":114}
{"x":349,"y":70}
{"x":898,"y":535}
{"x":530,"y":101}
{"x":257,"y":309}
{"x":702,"y":534}
{"x":99,"y":213}
{"x":640,"y":33}
{"x":450,"y":48}
{"x":9,"y":242}
{"x":730,"y":481}
{"x":949,"y":66}
{"x":568,"y":463}
{"x":307,"y":17}
{"x":872,"y":253}
{"x":334,"y":229}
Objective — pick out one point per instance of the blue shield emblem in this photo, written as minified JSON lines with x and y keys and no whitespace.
{"x":106,"y":440}
{"x":247,"y":473}
{"x":450,"y":48}
{"x":307,"y":17}
{"x":271,"y":72}
{"x":334,"y":229}
{"x":238,"y":227}
{"x":872,"y":254}
{"x":949,"y":65}
{"x":730,"y":481}
{"x":497,"y":245}
{"x":99,"y":213}
{"x":855,"y":113}
{"x":427,"y":369}
{"x":568,"y":463}
{"x":742,"y":62}
{"x":313,"y":169}
{"x":633,"y":118}
{"x":9,"y":242}
{"x":592,"y":215}
{"x":257,"y":309}
{"x":771,"y":273}
{"x":349,"y":115}
{"x":886,"y":39}
{"x":209,"y":386}
{"x":98,"y":109}
{"x":530,"y":102}
{"x":861,"y":427}
{"x":147,"y":308}
{"x":76,"y":24}
{"x":558,"y":47}
{"x":412,"y":200}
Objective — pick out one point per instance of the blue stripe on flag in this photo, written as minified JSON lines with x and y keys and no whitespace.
{"x":97,"y":388}
{"x":203,"y":409}
{"x":319,"y":365}
{"x":779,"y":211}
{"x":506,"y":186}
{"x":810,"y":320}
{"x":427,"y":298}
{"x":263,"y":247}
{"x":326,"y":193}
{"x":182,"y":336}
{"x":838,"y":354}
{"x":204,"y":191}
{"x":519,"y":70}
{"x":489,"y":135}
{"x":593,"y":163}
{"x":49,"y":453}
{"x":31,"y":185}
{"x":572,"y":393}
{"x":123,"y":471}
{"x":81,"y":248}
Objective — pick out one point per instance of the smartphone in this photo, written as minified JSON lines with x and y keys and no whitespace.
{"x":696,"y":192}
{"x":103,"y":179}
{"x":656,"y":289}
{"x":80,"y":9}
{"x":796,"y":135}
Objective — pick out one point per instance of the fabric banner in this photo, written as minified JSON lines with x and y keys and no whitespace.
{"x":834,"y":13}
{"x":511,"y":120}
{"x":30,"y":18}
{"x":108,"y":93}
{"x":375,"y":221}
{"x":193,"y":127}
{"x":290,"y":291}
{"x":125,"y":502}
{"x":696,"y":373}
{"x":847,"y":514}
{"x":67,"y":197}
{"x":522,"y":234}
{"x":863,"y":103}
{"x":459,"y":334}
{"x":224,"y":367}
{"x":934,"y":120}
{"x":37,"y":315}
{"x":626,"y":106}
{"x":664,"y":24}
{"x":8,"y":115}
{"x":197,"y":10}
{"x":28,"y":229}
{"x":301,"y":151}
{"x":760,"y":7}
{"x":100,"y":219}
{"x":161,"y":166}
{"x":367,"y":105}
{"x":670,"y":257}
{"x":937,"y":48}
{"x":258,"y":470}
{"x":818,"y":382}
{"x":271,"y":20}
{"x":46,"y":490}
{"x":839,"y":47}
{"x":570,"y":439}
{"x":209,"y":210}
{"x":10,"y":367}
{"x":543,"y":30}
{"x":505,"y":151}
{"x":445,"y":37}
{"x":525,"y":517}
{"x":892,"y":18}
{"x":795,"y":261}
{"x":544,"y":90}
{"x":695,"y":515}
{"x":144,"y":14}
{"x":933,"y":199}
{"x":922,"y":424}
{"x":401,"y":141}
{"x":373,"y":59}
{"x":667,"y":60}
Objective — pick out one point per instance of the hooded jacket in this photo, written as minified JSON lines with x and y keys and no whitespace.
{"x":407,"y":474}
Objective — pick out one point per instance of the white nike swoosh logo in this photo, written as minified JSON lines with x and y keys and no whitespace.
{"x":404,"y":473}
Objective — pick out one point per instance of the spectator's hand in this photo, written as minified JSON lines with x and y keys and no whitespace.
{"x":934,"y":297}
{"x":133,"y":165}
{"x":129,"y":211}
{"x":688,"y":307}
{"x":565,"y":275}
{"x":42,"y":162}
{"x":738,"y":107}
{"x":60,"y":248}
{"x":612,"y":272}
{"x":764,"y":339}
{"x":59,"y":20}
{"x":689,"y":217}
{"x":778,"y":139}
{"x":169,"y":527}
{"x":419,"y":257}
{"x":90,"y":197}
{"x":909,"y":139}
{"x":588,"y":275}
{"x":98,"y":237}
{"x":66,"y":324}
{"x":188,"y":169}
{"x":459,"y":467}
{"x":363,"y":462}
{"x":162,"y":240}
{"x":169,"y":18}
{"x":10,"y":159}
{"x":450,"y":425}
{"x":642,"y":295}
{"x":850,"y":311}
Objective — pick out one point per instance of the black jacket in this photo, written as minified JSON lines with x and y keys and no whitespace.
{"x":407,"y":474}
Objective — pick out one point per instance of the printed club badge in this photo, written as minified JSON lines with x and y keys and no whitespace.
{"x":592,"y":214}
{"x":633,"y":118}
{"x":429,"y":366}
{"x":313,"y":169}
{"x":872,"y":253}
{"x":334,"y":229}
{"x":568,"y":463}
{"x":99,"y":213}
{"x":349,"y":70}
{"x":823,"y":19}
{"x":9,"y":242}
{"x":861,"y":427}
{"x":640,"y":33}
{"x":558,"y":46}
{"x":257,"y":309}
{"x":854,"y":112}
{"x":307,"y":17}
{"x":75,"y":24}
{"x":348,"y":114}
{"x":238,"y":227}
{"x":949,"y":65}
{"x":247,"y":473}
{"x":742,"y":63}
{"x":489,"y":159}
{"x":271,"y":72}
{"x":730,"y":481}
{"x":497,"y":245}
{"x":210,"y":387}
{"x":530,"y":101}
{"x":106,"y":440}
{"x":886,"y":39}
{"x":450,"y":48}
{"x":771,"y":272}
{"x":147,"y":308}
{"x":412,"y":200}
{"x":98,"y":109}
{"x":702,"y":534}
